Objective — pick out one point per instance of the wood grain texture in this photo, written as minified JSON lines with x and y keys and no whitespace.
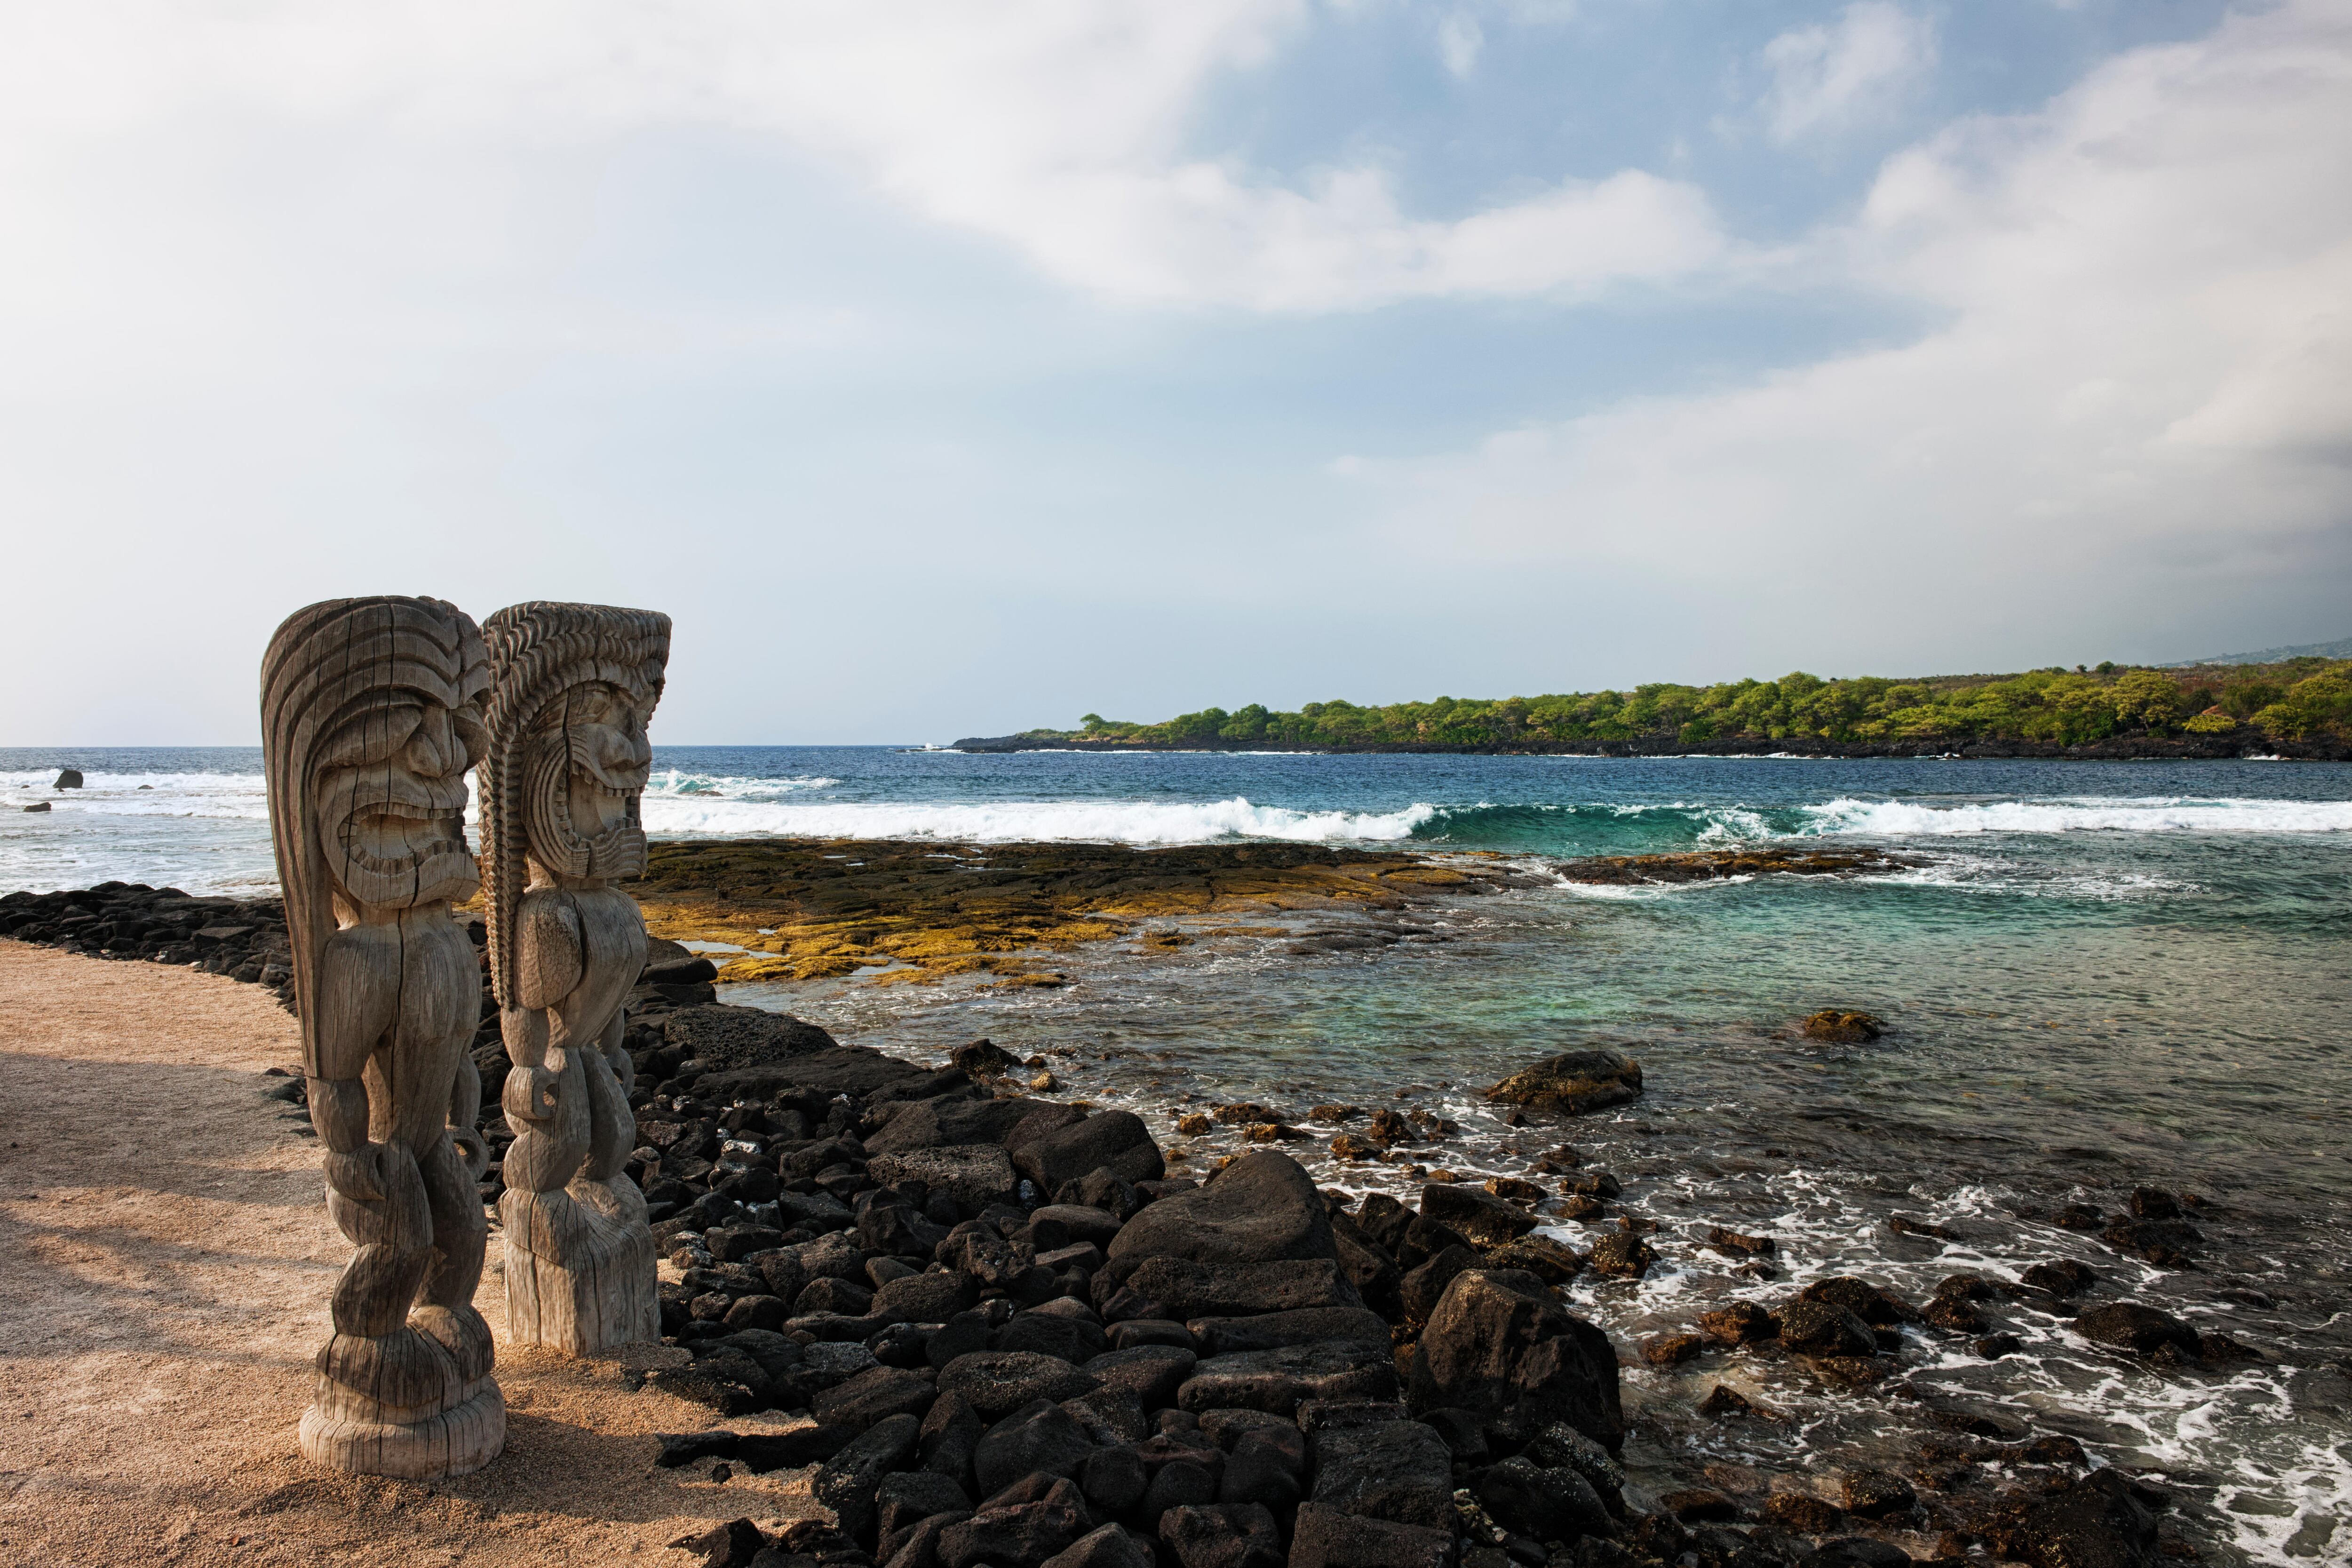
{"x":371,"y":716}
{"x":571,"y":688}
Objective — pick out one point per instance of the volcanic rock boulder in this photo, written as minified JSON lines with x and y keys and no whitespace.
{"x":1396,"y":1470}
{"x":975,"y":1174}
{"x":1481,"y":1216}
{"x":1112,"y":1139}
{"x":1500,"y":1346}
{"x":1328,"y":1538}
{"x":1262,"y":1208}
{"x":2142,"y":1331}
{"x":1278,"y":1381}
{"x":1573,"y":1082}
{"x":2098,"y":1521}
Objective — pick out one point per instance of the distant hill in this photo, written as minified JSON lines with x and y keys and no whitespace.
{"x":2340,"y":648}
{"x":2289,"y":706}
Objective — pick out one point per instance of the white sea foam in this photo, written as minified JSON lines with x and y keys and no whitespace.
{"x":1097,"y":821}
{"x":2079,"y":814}
{"x":221,"y":795}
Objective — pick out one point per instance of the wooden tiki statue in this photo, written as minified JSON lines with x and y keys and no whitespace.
{"x":370,"y":714}
{"x":571,"y":688}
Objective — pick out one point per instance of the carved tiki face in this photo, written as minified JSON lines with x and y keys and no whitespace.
{"x":586,"y":765}
{"x":391,"y":800}
{"x":573,"y":688}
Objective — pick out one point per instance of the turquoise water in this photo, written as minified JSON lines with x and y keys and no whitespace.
{"x":2097,"y":976}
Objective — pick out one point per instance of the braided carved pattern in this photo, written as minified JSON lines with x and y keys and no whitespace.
{"x":537,"y":650}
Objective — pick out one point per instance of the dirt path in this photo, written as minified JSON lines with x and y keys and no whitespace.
{"x":165,"y":1258}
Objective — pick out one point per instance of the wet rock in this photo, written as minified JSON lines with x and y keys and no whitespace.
{"x":1817,"y":1328}
{"x":1877,"y":1494}
{"x":2166,"y":1242}
{"x":1326,"y":1537}
{"x":1739,"y":1323}
{"x":1221,"y":1535}
{"x":984,"y":1058}
{"x":1855,"y":1552}
{"x":1903,"y":1224}
{"x":69,"y":778}
{"x":1992,"y":1347}
{"x":1696,"y":1505}
{"x":1672,"y":1350}
{"x":2141,"y":1330}
{"x":1552,"y":1262}
{"x":1844,"y":1027}
{"x":1622,"y":1254}
{"x":1498,"y":1345}
{"x":1573,"y":1082}
{"x":1863,"y":1300}
{"x":1397,"y":1470}
{"x":1550,"y":1504}
{"x":997,"y":1383}
{"x":1734,"y":1241}
{"x":2153,"y":1203}
{"x":2097,"y":1522}
{"x":2062,"y":1277}
{"x":1481,"y":1216}
{"x":1278,"y":1380}
{"x":1800,"y":1513}
{"x":1723,"y":1402}
{"x":1039,"y":1436}
{"x":1561,"y":1446}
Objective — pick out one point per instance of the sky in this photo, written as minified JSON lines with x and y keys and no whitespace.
{"x":946,"y":369}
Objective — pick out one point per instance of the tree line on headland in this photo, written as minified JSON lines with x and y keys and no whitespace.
{"x":2298,"y":707}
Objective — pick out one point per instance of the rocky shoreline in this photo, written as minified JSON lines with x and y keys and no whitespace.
{"x":1023,"y":1333}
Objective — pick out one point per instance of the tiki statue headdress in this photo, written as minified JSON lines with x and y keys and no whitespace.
{"x":359,"y":701}
{"x":571,"y":688}
{"x":572,"y":673}
{"x":370,"y":717}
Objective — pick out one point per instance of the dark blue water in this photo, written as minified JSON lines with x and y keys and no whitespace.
{"x":2094,"y":975}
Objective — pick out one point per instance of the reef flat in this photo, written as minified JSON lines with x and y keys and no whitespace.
{"x":908,"y":911}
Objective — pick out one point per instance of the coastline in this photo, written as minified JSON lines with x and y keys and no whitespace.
{"x":2250,"y":746}
{"x":1294,"y":925}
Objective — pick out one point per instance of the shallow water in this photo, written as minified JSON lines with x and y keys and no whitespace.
{"x":2099,"y":976}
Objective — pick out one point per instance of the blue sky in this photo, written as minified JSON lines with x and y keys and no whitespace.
{"x":945,"y":369}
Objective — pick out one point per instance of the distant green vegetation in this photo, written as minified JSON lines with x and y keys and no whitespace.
{"x":2301,"y":700}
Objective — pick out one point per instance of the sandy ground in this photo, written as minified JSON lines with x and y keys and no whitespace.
{"x":165,"y":1259}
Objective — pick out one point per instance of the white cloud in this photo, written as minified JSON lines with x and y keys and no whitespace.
{"x":2139,"y":402}
{"x":1057,"y":127}
{"x":1459,"y":40}
{"x":1825,"y":79}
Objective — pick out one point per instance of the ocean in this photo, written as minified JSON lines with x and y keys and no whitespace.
{"x":2096,"y":977}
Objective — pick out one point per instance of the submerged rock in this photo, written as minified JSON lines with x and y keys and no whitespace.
{"x":1574,"y":1082}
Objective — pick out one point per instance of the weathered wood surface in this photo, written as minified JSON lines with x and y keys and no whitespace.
{"x":370,"y":716}
{"x":571,"y":688}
